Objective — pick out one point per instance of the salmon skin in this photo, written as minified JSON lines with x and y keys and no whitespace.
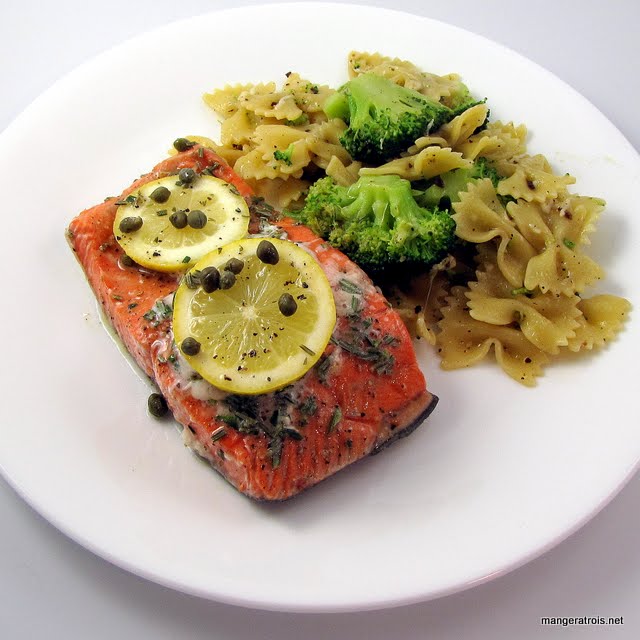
{"x":365,"y":392}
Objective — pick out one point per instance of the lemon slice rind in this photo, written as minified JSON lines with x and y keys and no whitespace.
{"x":158,"y":244}
{"x":247,"y":345}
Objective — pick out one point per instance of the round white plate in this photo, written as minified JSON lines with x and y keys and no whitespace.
{"x":499,"y":473}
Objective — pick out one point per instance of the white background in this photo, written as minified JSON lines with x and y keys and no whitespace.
{"x":52,"y":588}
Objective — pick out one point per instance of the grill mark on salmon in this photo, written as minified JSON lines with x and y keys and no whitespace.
{"x":359,"y":405}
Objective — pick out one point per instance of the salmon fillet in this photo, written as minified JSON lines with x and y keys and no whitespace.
{"x":366,"y":391}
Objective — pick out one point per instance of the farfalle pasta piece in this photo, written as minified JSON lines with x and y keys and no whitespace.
{"x":226,"y":101}
{"x":462,"y":127}
{"x":324,"y":143}
{"x":428,"y":163}
{"x":495,"y":142}
{"x":480,"y":217}
{"x":309,"y":97}
{"x":280,"y":151}
{"x":277,"y":105}
{"x":573,"y":219}
{"x":238,"y":128}
{"x":559,"y":267}
{"x":534,"y":180}
{"x":279,"y":193}
{"x":561,"y":270}
{"x":406,"y":74}
{"x":547,"y":321}
{"x":423,"y":142}
{"x":343,"y":174}
{"x":602,"y":318}
{"x":463,"y":341}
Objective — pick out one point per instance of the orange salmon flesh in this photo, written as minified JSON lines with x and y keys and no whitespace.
{"x":270,"y":446}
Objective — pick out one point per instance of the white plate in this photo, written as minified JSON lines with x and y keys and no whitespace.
{"x":498,"y":475}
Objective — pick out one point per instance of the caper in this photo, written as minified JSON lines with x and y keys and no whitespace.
{"x":267,"y":252}
{"x":157,"y":405}
{"x":197,"y":219}
{"x":182,"y":144}
{"x":160,"y":194}
{"x":178,"y":219}
{"x":287,"y":305}
{"x":234,"y":265}
{"x":126,"y":261}
{"x":130,"y":224}
{"x":210,"y":279}
{"x":227,"y":279}
{"x":190,"y":346}
{"x":186,"y":175}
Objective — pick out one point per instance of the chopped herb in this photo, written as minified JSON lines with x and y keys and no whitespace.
{"x":350,"y":287}
{"x":133,"y":305}
{"x":117,"y":297}
{"x":294,"y":434}
{"x":569,"y":243}
{"x":303,"y":118}
{"x":186,"y":259}
{"x":245,"y":417}
{"x":161,"y":212}
{"x":309,"y":406}
{"x":220,"y":432}
{"x":364,"y":344}
{"x":522,"y":291}
{"x":158,"y":313}
{"x":336,"y":416}
{"x":322,"y":368}
{"x":307,"y":350}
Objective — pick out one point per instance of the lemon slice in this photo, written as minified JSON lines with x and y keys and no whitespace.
{"x":266,"y":322}
{"x":170,"y":223}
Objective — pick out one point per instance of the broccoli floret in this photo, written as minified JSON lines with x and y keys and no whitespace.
{"x":284,"y":156}
{"x":384,"y":118}
{"x":377,"y":222}
{"x":461,"y":99}
{"x":445,"y":189}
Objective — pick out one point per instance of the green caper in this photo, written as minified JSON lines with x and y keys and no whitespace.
{"x":178,"y":219}
{"x":234,"y":265}
{"x":287,"y":305}
{"x":227,"y":279}
{"x":157,"y":405}
{"x":186,"y":175}
{"x":130,"y":224}
{"x":126,"y":261}
{"x":160,"y":194}
{"x":182,"y":144}
{"x":267,"y":252}
{"x":190,"y":346}
{"x":210,"y":279}
{"x":197,"y":219}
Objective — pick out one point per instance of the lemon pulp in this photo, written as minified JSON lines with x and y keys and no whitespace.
{"x":247,"y":345}
{"x":157,"y":243}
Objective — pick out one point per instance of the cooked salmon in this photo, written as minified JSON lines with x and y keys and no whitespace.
{"x":366,"y":390}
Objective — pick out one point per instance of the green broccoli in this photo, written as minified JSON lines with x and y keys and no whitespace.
{"x":377,"y":222}
{"x":383,"y":118}
{"x":461,"y":99}
{"x":445,"y":189}
{"x":284,"y":156}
